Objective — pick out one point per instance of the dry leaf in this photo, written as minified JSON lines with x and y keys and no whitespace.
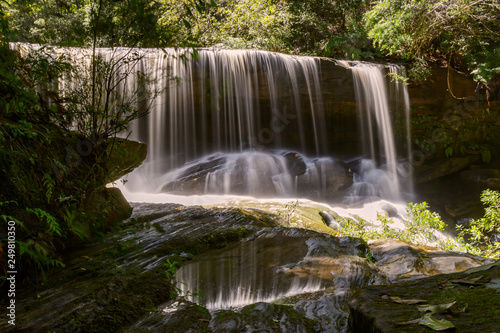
{"x":396,"y":299}
{"x":415,"y":321}
{"x":435,"y":308}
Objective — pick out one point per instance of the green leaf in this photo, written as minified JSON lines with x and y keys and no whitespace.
{"x":398,"y":300}
{"x":196,"y":56}
{"x":436,"y":324}
{"x":448,"y":151}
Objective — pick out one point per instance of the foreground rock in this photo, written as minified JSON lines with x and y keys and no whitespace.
{"x":475,"y":294}
{"x":244,"y":271}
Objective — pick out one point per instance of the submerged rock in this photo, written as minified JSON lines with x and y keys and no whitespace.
{"x":261,"y":174}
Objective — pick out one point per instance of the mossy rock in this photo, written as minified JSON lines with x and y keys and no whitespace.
{"x":477,"y":309}
{"x":124,"y":156}
{"x":109,"y":203}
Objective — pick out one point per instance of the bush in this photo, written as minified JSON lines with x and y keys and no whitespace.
{"x":483,"y":235}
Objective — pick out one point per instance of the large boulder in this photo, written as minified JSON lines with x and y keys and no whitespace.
{"x":442,"y":167}
{"x":124,"y":156}
{"x":109,"y":204}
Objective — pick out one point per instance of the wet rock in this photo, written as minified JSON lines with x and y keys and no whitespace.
{"x":192,"y":180}
{"x":374,"y":309}
{"x":295,"y":164}
{"x":325,"y":179}
{"x":262,"y":174}
{"x":109,"y":203}
{"x":312,"y":271}
{"x":464,"y":208}
{"x":262,"y":317}
{"x":112,"y":285}
{"x":484,"y":178}
{"x":178,"y":317}
{"x":442,"y":167}
{"x":227,"y":254}
{"x":399,"y":260}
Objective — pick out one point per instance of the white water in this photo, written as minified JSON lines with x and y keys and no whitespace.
{"x":211,"y":110}
{"x":232,"y":134}
{"x":376,"y":124}
{"x":212,"y":105}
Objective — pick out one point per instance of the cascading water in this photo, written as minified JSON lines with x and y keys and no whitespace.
{"x":254,"y":108}
{"x":383,"y":170}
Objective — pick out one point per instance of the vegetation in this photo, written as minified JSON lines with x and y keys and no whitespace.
{"x":483,"y":234}
{"x":461,"y":34}
{"x":457,"y":132}
{"x":56,"y":142}
{"x":423,"y":227}
{"x":427,"y":31}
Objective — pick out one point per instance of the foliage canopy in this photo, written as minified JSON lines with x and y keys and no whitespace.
{"x":463,"y":33}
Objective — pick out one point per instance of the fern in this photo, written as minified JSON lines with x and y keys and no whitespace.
{"x":49,"y":184}
{"x":39,"y":253}
{"x":7,"y":218}
{"x":53,"y":226}
{"x":71,"y":215}
{"x":8,"y":202}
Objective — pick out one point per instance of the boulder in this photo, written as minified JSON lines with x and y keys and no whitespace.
{"x":108,"y":203}
{"x":124,"y":156}
{"x":295,"y":164}
{"x":325,"y":179}
{"x":399,"y":260}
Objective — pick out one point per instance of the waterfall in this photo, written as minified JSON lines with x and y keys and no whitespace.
{"x":255,"y":107}
{"x":212,"y":104}
{"x":383,"y":169}
{"x":263,"y":124}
